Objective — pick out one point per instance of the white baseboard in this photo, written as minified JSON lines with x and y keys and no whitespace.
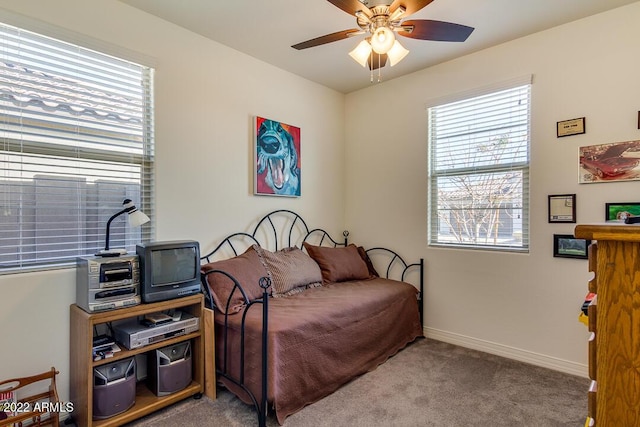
{"x":537,"y":359}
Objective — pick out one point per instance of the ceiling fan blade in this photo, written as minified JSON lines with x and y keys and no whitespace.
{"x":425,"y":29}
{"x":411,"y":6}
{"x":377,"y":60}
{"x":329,"y":38}
{"x":351,"y":6}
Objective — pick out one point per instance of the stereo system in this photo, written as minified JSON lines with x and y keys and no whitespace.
{"x":107,"y":283}
{"x":169,"y":368}
{"x":133,"y":334}
{"x":114,"y":388}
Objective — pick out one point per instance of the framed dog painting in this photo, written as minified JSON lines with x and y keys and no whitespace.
{"x":277,"y":158}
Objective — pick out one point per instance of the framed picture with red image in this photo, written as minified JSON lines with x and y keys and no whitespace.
{"x":277,"y":158}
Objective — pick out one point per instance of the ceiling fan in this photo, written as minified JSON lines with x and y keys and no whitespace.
{"x":381,"y":20}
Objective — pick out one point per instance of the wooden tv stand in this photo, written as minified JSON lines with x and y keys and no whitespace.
{"x":82,"y":363}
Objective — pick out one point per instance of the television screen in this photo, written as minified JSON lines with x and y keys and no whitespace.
{"x":174,"y":265}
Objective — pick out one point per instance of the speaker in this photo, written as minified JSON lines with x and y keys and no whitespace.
{"x":114,"y":388}
{"x":169,"y":368}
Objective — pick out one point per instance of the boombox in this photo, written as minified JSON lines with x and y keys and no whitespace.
{"x":169,"y":368}
{"x":107,"y":283}
{"x":114,"y":388}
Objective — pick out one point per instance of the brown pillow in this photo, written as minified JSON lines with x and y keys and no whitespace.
{"x":367,"y":260}
{"x":338,"y":264}
{"x":247,"y":269}
{"x":291,"y":270}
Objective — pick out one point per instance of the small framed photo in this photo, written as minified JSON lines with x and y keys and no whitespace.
{"x":567,"y":246}
{"x":621,"y":211}
{"x":562,"y":208}
{"x":570,"y":127}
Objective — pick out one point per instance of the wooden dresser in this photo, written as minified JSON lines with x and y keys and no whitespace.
{"x":614,"y":322}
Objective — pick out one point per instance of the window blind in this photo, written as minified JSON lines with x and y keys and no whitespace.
{"x":76,"y":140}
{"x":479,"y":170}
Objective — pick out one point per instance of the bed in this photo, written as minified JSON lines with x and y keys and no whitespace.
{"x":298,"y":314}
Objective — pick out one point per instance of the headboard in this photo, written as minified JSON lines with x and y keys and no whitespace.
{"x":279,"y":229}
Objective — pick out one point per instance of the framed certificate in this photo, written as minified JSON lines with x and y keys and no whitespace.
{"x":570,"y":127}
{"x":562,"y":208}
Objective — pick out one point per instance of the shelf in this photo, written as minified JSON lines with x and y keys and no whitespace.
{"x":82,"y":364}
{"x":124,"y":353}
{"x":139,"y":310}
{"x":147,"y":403}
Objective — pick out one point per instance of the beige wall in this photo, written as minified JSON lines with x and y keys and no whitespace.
{"x":522,"y":306}
{"x":206,"y":97}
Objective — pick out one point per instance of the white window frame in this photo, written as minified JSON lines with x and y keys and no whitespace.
{"x":60,"y":186}
{"x":458,"y":205}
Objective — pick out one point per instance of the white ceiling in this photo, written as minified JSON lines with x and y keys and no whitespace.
{"x":267,"y":29}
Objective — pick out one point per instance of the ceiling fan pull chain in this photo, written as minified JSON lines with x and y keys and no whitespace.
{"x":371,"y":68}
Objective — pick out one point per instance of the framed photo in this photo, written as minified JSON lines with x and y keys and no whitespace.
{"x":621,"y":211}
{"x":570,"y":127}
{"x":567,"y":246}
{"x":277,"y":158}
{"x":562,"y":208}
{"x":618,"y":161}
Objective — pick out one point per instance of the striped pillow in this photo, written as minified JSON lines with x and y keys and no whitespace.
{"x":291,"y":270}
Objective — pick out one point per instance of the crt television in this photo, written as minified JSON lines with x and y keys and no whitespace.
{"x":169,"y":269}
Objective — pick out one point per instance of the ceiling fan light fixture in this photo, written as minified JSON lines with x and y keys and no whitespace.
{"x":382,"y":40}
{"x":396,"y":53}
{"x":361,"y":53}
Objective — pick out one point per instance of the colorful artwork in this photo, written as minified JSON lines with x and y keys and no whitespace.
{"x":277,"y":158}
{"x":617,"y":161}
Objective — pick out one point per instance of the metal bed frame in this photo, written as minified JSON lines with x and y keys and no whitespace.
{"x":293,"y":230}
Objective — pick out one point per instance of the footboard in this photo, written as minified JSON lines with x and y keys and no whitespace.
{"x":239,"y":327}
{"x":260,"y":403}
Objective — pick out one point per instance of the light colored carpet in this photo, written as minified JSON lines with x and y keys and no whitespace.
{"x":429,"y":383}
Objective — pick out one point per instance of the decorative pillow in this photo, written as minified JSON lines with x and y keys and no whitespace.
{"x":291,"y":270}
{"x":338,"y":264}
{"x":247,"y":269}
{"x":367,"y":260}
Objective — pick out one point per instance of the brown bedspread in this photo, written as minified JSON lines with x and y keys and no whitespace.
{"x":321,"y":338}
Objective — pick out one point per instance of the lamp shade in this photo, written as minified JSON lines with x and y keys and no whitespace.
{"x":361,"y":52}
{"x":137,"y":218}
{"x":382,"y":40}
{"x":396,"y":53}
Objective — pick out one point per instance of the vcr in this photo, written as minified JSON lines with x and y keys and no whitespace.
{"x":132,"y":334}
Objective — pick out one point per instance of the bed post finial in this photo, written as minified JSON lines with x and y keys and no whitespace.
{"x":345,"y":233}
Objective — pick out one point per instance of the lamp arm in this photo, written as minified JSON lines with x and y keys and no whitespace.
{"x":114,"y":216}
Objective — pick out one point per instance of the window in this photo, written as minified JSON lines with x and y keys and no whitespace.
{"x":479,"y":169}
{"x":75,"y":142}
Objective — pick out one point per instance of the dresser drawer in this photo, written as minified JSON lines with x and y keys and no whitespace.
{"x":592,"y":313}
{"x":592,"y":356}
{"x":593,"y":266}
{"x":591,"y":400}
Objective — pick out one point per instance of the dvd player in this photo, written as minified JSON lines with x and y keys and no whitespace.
{"x":133,"y":334}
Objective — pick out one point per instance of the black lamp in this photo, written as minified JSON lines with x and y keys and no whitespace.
{"x":136,"y":219}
